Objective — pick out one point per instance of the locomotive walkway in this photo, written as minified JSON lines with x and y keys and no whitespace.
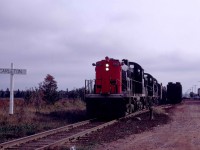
{"x":182,"y":133}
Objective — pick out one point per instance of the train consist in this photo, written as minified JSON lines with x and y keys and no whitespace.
{"x":120,"y":88}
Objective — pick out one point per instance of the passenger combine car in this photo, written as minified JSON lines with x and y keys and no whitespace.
{"x":120,"y":88}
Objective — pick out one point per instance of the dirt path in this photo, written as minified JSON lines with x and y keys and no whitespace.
{"x":183,"y":133}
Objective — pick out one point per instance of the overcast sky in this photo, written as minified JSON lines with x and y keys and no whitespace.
{"x":64,"y":37}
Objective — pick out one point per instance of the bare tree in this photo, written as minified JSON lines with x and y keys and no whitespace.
{"x":37,"y":99}
{"x":49,"y":89}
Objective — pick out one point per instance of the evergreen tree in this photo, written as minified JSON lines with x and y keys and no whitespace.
{"x":7,"y":93}
{"x":18,"y":94}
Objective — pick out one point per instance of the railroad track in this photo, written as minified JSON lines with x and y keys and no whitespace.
{"x":60,"y":136}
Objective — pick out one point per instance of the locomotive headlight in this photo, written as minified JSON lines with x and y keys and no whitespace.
{"x":107,"y":67}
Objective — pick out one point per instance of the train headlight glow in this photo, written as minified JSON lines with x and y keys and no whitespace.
{"x":107,"y":67}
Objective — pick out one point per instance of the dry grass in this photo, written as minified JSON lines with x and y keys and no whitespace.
{"x":26,"y":120}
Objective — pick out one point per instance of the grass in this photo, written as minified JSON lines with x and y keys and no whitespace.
{"x":27,"y":120}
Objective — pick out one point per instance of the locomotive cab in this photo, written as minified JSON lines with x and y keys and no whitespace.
{"x":108,"y":77}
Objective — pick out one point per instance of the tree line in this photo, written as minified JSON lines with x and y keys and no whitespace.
{"x":47,"y":91}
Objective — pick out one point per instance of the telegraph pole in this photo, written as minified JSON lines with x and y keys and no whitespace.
{"x":195,"y":89}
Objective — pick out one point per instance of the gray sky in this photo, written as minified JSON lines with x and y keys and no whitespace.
{"x":64,"y":37}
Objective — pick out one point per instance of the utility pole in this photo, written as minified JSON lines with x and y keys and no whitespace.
{"x":195,"y":89}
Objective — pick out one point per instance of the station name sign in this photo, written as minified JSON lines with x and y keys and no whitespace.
{"x":12,"y":71}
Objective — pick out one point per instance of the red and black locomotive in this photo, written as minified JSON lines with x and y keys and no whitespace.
{"x":120,"y":88}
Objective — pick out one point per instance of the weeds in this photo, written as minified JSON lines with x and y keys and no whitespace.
{"x":27,"y":121}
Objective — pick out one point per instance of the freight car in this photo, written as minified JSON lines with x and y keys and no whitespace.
{"x":174,"y":93}
{"x":120,"y":88}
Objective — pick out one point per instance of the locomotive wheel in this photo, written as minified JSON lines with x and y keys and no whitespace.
{"x":140,"y":105}
{"x":129,"y":108}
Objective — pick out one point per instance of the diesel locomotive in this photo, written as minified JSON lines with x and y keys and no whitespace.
{"x":120,"y":88}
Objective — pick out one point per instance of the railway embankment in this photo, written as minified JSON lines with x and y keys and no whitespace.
{"x":122,"y":129}
{"x":181,"y":133}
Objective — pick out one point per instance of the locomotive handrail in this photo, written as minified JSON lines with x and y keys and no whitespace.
{"x":89,"y":86}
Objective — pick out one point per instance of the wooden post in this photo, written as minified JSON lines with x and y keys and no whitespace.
{"x":12,"y":71}
{"x":11,"y":91}
{"x":151,"y":113}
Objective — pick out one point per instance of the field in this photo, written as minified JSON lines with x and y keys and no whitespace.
{"x":29,"y":119}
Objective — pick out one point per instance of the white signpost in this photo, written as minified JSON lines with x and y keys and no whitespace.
{"x":12,"y":71}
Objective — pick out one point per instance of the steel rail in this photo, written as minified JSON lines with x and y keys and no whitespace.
{"x":41,"y":135}
{"x":73,"y":137}
{"x":88,"y":131}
